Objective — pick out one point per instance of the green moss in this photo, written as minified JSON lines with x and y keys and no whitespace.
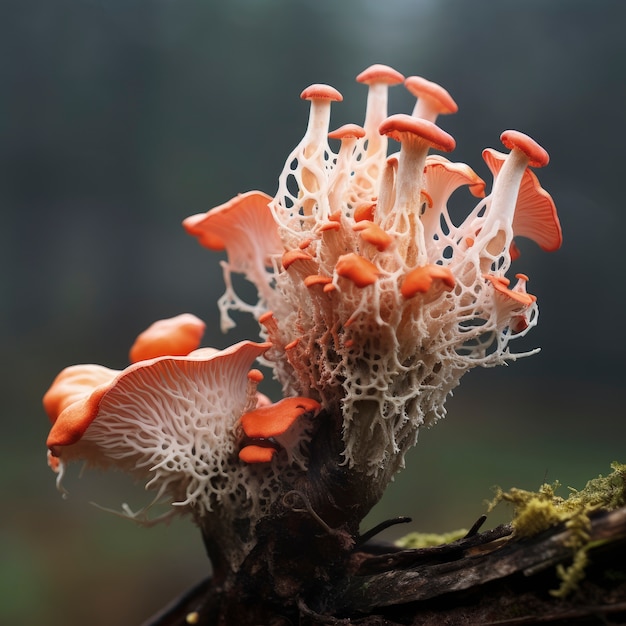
{"x":429,"y":540}
{"x":535,"y":512}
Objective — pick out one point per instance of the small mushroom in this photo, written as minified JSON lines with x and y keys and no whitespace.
{"x":432,"y":99}
{"x":175,"y":336}
{"x":312,"y":151}
{"x":497,"y":231}
{"x":535,"y":215}
{"x":320,"y":96}
{"x":416,"y":136}
{"x":378,"y":78}
{"x":501,"y":285}
{"x":348,"y":135}
{"x":513,"y":305}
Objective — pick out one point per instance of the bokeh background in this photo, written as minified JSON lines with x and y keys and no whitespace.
{"x":119,"y":118}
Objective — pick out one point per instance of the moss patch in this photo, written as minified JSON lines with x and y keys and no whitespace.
{"x":537,"y":511}
{"x":429,"y":540}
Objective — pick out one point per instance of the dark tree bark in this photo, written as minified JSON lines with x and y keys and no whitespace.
{"x":302,"y":573}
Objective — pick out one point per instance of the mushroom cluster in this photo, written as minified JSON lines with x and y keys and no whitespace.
{"x":372,"y":304}
{"x":374,"y":300}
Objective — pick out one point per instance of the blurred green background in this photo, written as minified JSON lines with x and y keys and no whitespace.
{"x":119,"y":118}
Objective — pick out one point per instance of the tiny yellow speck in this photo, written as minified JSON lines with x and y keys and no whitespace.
{"x":193,"y":617}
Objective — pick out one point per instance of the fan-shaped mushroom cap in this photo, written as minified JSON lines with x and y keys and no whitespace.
{"x":175,"y":336}
{"x":72,"y":394}
{"x":167,"y":385}
{"x":237,"y":225}
{"x":454,"y":174}
{"x":245,"y":227}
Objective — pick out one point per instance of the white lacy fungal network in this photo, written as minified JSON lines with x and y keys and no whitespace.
{"x":374,"y":300}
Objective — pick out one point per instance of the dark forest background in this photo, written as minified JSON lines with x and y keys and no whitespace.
{"x":119,"y":118}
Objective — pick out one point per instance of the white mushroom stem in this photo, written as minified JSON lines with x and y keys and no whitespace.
{"x":375,"y":113}
{"x":410,"y":177}
{"x":341,"y":173}
{"x":432,"y":99}
{"x":497,"y":231}
{"x":317,"y":128}
{"x":427,"y":109}
{"x":386,"y":194}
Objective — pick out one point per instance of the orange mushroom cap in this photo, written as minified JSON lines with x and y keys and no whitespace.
{"x":175,"y":336}
{"x":402,"y":127}
{"x":291,"y":256}
{"x":255,"y":375}
{"x":317,"y":279}
{"x":436,"y":94}
{"x":319,"y":91}
{"x":379,"y":73}
{"x":244,"y":218}
{"x":537,"y":156}
{"x":365,"y":211}
{"x":257,"y":454}
{"x":374,"y":234}
{"x":274,"y":420}
{"x":348,"y":131}
{"x":501,"y":285}
{"x":71,"y":385}
{"x":420,"y":280}
{"x":457,"y":173}
{"x":75,"y":398}
{"x":357,"y":269}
